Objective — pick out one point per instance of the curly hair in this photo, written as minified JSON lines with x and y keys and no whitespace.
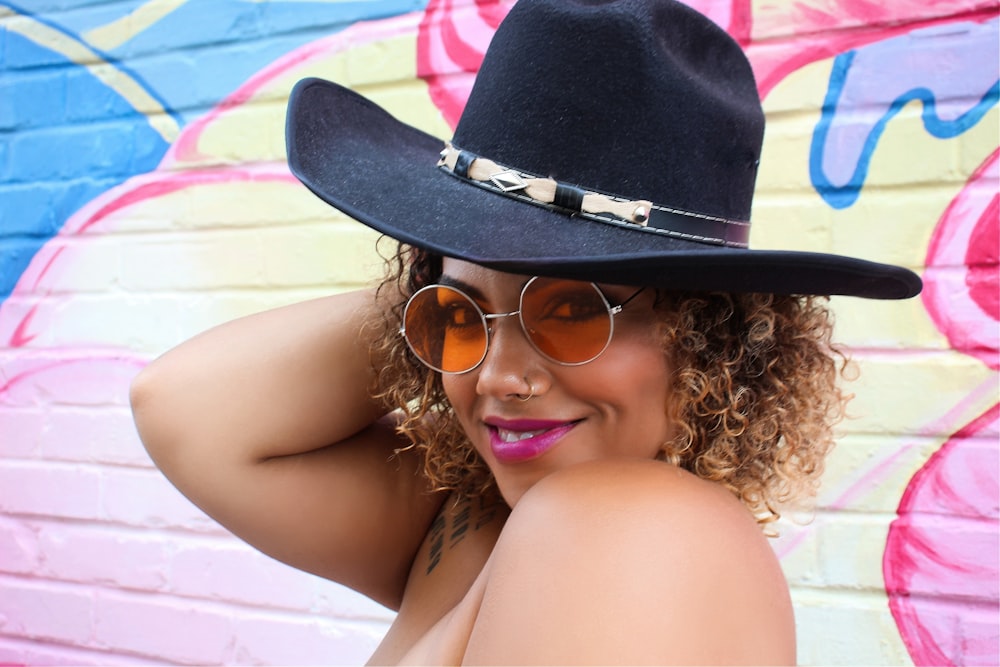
{"x":754,"y":389}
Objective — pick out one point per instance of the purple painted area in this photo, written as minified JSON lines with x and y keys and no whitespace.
{"x":954,"y":63}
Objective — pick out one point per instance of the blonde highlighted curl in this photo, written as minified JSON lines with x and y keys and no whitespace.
{"x":754,"y":390}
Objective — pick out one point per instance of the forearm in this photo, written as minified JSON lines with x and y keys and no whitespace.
{"x":274,"y":384}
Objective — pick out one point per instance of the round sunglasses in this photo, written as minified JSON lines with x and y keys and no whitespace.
{"x":568,"y":322}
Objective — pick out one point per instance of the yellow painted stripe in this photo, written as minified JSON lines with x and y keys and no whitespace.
{"x":111,"y":76}
{"x":116,"y":33}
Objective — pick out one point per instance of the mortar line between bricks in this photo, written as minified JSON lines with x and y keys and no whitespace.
{"x":257,"y":611}
{"x":69,"y":466}
{"x":932,"y":354}
{"x":898,"y":436}
{"x":849,"y":439}
{"x":117,"y":657}
{"x":218,"y":531}
{"x":219,"y":535}
{"x":49,"y":463}
{"x":834,"y":591}
{"x":845,"y":516}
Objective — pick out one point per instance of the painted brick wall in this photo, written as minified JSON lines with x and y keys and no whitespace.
{"x":143,"y":198}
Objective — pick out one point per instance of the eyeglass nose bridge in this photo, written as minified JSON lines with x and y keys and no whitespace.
{"x":489,"y":317}
{"x":490,"y":333}
{"x":497,"y":316}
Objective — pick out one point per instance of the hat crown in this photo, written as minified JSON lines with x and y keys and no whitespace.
{"x":645,"y":99}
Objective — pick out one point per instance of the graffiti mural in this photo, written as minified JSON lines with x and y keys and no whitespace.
{"x":144,"y":197}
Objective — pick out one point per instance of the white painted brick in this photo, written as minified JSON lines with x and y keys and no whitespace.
{"x":851,"y":547}
{"x":871,"y":472}
{"x":846,"y":629}
{"x":332,"y":599}
{"x":230,"y":570}
{"x":900,"y":394}
{"x":145,"y":498}
{"x":209,"y":207}
{"x":104,"y":435}
{"x":77,"y":377}
{"x":21,"y":431}
{"x":20,"y":552}
{"x":103,"y":556}
{"x":286,"y":256}
{"x":72,"y":322}
{"x":320,"y":255}
{"x":165,"y":319}
{"x":21,"y":652}
{"x":796,"y":549}
{"x":275,"y":640}
{"x":206,"y":310}
{"x":95,"y":266}
{"x":37,"y":609}
{"x":171,"y":629}
{"x":45,"y":489}
{"x":82,"y":321}
{"x":895,"y":326}
{"x":219,"y":259}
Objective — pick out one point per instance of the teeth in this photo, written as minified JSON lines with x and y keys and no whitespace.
{"x":514,"y":436}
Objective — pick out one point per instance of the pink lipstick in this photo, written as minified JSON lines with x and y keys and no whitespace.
{"x":512,"y":441}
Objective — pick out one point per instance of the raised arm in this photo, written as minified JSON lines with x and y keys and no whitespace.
{"x":267,"y":425}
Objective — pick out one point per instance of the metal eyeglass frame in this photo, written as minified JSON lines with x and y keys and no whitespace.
{"x":488,"y":317}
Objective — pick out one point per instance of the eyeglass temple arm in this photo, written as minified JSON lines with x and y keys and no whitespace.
{"x":617,"y":309}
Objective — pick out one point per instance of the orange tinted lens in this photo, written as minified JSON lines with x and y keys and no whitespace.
{"x":567,"y":320}
{"x":445,"y":329}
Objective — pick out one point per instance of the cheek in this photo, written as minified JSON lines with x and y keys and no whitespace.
{"x":461,"y":393}
{"x":640,"y":382}
{"x":640,"y":355}
{"x":649,"y":393}
{"x":454,"y":389}
{"x":458,"y":396}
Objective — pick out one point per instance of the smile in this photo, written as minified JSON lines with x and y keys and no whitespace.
{"x":513,"y":442}
{"x":513,"y":436}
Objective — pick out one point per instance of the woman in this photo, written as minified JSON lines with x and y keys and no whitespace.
{"x":556,"y":430}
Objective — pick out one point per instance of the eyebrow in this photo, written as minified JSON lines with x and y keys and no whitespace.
{"x":451,"y":281}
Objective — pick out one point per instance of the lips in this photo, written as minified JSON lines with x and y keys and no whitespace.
{"x":522,"y":440}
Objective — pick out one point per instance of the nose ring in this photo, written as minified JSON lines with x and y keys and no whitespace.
{"x":531,"y":391}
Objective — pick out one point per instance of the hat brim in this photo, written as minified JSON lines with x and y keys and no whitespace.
{"x":361,"y":160}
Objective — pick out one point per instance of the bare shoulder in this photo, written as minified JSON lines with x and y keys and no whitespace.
{"x":637,"y":562}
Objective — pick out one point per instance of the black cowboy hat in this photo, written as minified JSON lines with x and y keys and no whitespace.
{"x":612,"y":141}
